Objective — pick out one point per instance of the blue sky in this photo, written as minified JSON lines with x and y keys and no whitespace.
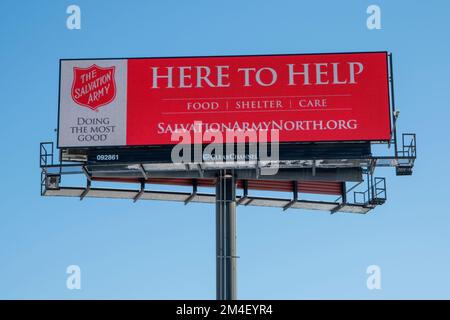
{"x":157,"y":250}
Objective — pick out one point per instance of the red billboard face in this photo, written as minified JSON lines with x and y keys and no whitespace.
{"x":313,"y":97}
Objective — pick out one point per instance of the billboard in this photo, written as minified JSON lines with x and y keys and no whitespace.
{"x":144,"y":101}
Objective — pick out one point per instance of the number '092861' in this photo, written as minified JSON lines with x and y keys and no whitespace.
{"x":107,"y":157}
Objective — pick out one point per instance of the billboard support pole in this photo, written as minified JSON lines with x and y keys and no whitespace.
{"x":226,"y":236}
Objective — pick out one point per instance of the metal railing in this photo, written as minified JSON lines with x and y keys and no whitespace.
{"x":408,"y":145}
{"x":375,"y":194}
{"x":46,"y":157}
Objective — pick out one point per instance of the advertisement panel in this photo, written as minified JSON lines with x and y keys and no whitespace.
{"x":145,"y":101}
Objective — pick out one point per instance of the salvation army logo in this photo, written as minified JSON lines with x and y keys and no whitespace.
{"x":93,"y":87}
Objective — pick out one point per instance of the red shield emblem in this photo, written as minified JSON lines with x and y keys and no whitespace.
{"x":93,"y":87}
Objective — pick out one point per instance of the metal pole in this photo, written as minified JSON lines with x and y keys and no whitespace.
{"x":225,"y":236}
